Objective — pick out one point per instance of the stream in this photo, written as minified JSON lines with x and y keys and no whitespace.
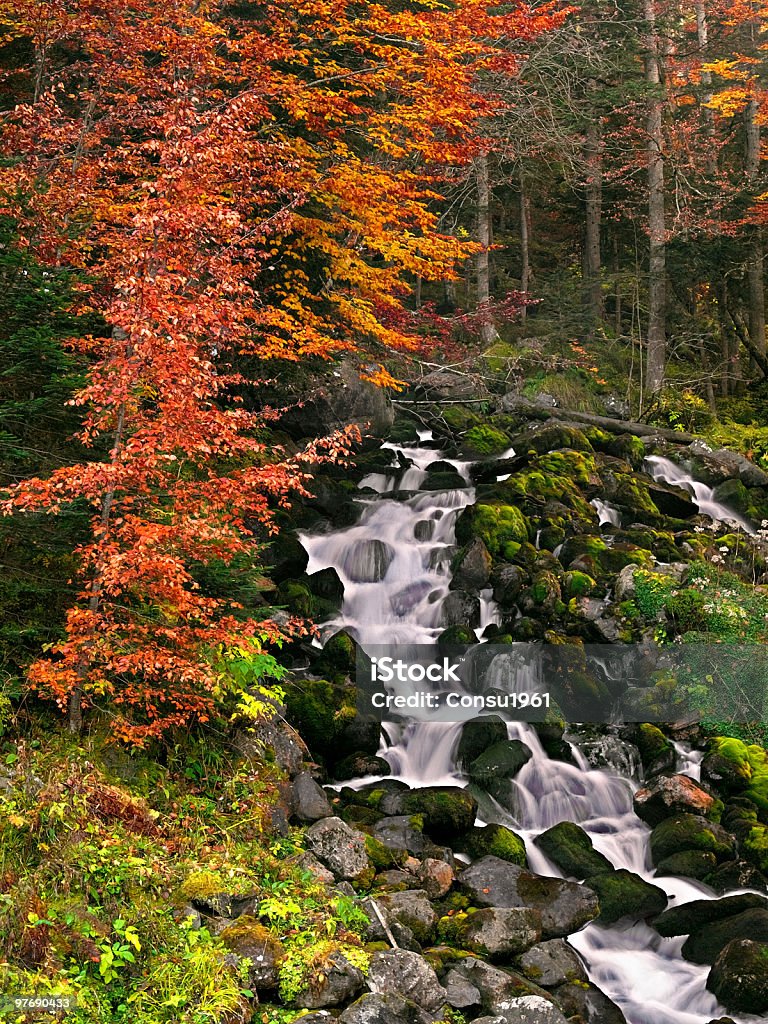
{"x":642,"y":972}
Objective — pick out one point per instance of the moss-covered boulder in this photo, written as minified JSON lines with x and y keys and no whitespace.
{"x":471,"y":568}
{"x":699,"y":914}
{"x":485,"y":440}
{"x":569,"y":847}
{"x":456,"y":637}
{"x":296,"y":596}
{"x":577,"y":584}
{"x":690,"y":863}
{"x":447,"y":810}
{"x":498,"y":933}
{"x":503,"y":760}
{"x":549,"y":437}
{"x":739,"y":977}
{"x":502,"y":528}
{"x":656,"y":752}
{"x":494,"y":840}
{"x":404,"y":432}
{"x":704,"y":945}
{"x":257,"y":948}
{"x":477,"y":735}
{"x":327,"y":718}
{"x":624,"y":894}
{"x":738,"y":767}
{"x":507,"y":582}
{"x":690,"y":832}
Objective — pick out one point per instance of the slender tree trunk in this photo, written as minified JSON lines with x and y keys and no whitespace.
{"x":617,"y":312}
{"x":525,"y":240}
{"x":487,"y":328}
{"x":593,"y":215}
{"x":755,"y":276}
{"x":656,"y":354}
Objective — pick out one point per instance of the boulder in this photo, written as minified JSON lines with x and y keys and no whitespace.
{"x":586,"y":1004}
{"x":436,"y":877}
{"x":565,"y":906}
{"x":471,"y":568}
{"x":500,"y":932}
{"x":460,"y":609}
{"x":690,"y":863}
{"x":477,"y":735}
{"x":385,"y":1008}
{"x":497,"y":989}
{"x":308,"y":800}
{"x":496,"y":840}
{"x":672,"y":794}
{"x":531,"y":1010}
{"x":407,"y":974}
{"x":552,"y":963}
{"x":739,"y":976}
{"x":705,"y":945}
{"x":624,"y":894}
{"x":460,"y":993}
{"x":446,"y":810}
{"x":507,"y":582}
{"x":250,"y":941}
{"x":691,"y":917}
{"x":341,"y":982}
{"x":690,"y":832}
{"x":339,"y":847}
{"x":402,"y":832}
{"x":569,"y":847}
{"x":411,"y":909}
{"x":502,"y":760}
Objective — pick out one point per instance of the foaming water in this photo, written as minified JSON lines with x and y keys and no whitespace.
{"x":608,"y":515}
{"x":642,"y":972}
{"x":669,"y":472}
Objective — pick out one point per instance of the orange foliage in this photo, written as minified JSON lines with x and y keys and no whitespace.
{"x":239,"y":183}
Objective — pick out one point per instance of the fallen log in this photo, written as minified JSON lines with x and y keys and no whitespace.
{"x":528,"y":408}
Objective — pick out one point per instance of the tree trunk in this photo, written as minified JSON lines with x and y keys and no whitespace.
{"x":487,"y":328}
{"x":656,"y":354}
{"x":525,"y":242}
{"x":755,"y":259}
{"x":593,"y":214}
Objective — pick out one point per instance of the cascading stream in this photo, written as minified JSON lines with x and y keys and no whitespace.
{"x":669,"y":472}
{"x":395,"y":597}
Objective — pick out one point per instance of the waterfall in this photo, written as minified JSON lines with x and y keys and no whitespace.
{"x":670,"y":473}
{"x":642,"y":972}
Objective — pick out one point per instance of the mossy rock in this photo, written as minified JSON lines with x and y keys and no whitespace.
{"x":502,"y":528}
{"x":326,"y":716}
{"x":550,"y":437}
{"x":383,"y":857}
{"x":627,"y":447}
{"x":690,"y":832}
{"x":632,"y":494}
{"x":460,"y":418}
{"x":690,"y":864}
{"x":656,"y":752}
{"x":577,"y":466}
{"x":485,"y":440}
{"x":577,"y":584}
{"x":624,"y":894}
{"x":755,"y":847}
{"x":739,"y":977}
{"x":260,"y":951}
{"x":739,"y":768}
{"x":494,"y":840}
{"x":403,"y":432}
{"x":569,"y":847}
{"x":477,"y":735}
{"x":456,"y":637}
{"x":447,"y":810}
{"x":339,"y":653}
{"x":502,"y":760}
{"x":297,"y":597}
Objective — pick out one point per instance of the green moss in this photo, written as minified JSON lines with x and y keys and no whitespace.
{"x":403,"y":432}
{"x":624,"y":894}
{"x":756,"y":847}
{"x":576,"y":466}
{"x":652,"y":744}
{"x":485,"y":440}
{"x":751,"y":763}
{"x":297,"y":597}
{"x":459,"y":417}
{"x":502,"y":528}
{"x":652,"y":590}
{"x":305,"y":967}
{"x":578,"y":584}
{"x":381,"y":856}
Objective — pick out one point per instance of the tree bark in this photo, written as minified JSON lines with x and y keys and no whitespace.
{"x":592,"y":221}
{"x":755,"y":276}
{"x":656,"y":353}
{"x":525,"y":240}
{"x":483,"y":265}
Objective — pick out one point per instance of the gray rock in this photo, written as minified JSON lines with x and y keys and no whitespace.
{"x":739,"y":977}
{"x":289,"y":750}
{"x":588,"y":1004}
{"x":309,"y":862}
{"x":309,"y":800}
{"x":471,"y":567}
{"x":339,"y":847}
{"x":552,"y":963}
{"x":342,"y":981}
{"x":410,"y":908}
{"x":386,"y":1008}
{"x":407,"y":974}
{"x":624,"y":587}
{"x":609,"y":752}
{"x":507,"y":582}
{"x":565,"y":906}
{"x":530,"y":1010}
{"x":460,"y":609}
{"x":436,"y":877}
{"x":460,"y":993}
{"x":498,"y":989}
{"x":501,"y":932}
{"x":399,"y":833}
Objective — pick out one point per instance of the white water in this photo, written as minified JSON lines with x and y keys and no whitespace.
{"x":670,"y":473}
{"x":608,"y":515}
{"x":637,"y":968}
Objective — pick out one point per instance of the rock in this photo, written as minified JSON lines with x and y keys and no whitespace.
{"x":400,"y":832}
{"x":507,"y":582}
{"x":705,"y":944}
{"x":459,"y":991}
{"x":317,"y":1017}
{"x":669,"y":795}
{"x":447,"y":810}
{"x":460,"y":609}
{"x":406,"y":599}
{"x":500,"y":932}
{"x":341,"y":982}
{"x":309,"y":862}
{"x":276,"y":735}
{"x":691,"y":917}
{"x":494,"y":839}
{"x":565,"y":906}
{"x":690,"y":863}
{"x":625,"y":583}
{"x":588,"y":1005}
{"x":736,"y":874}
{"x":570,"y":848}
{"x":385,"y":1008}
{"x":249,"y":940}
{"x":436,"y":877}
{"x":309,"y":801}
{"x":531,"y":1010}
{"x":656,"y":752}
{"x":672,"y":501}
{"x":715,"y":466}
{"x":410,"y":908}
{"x":339,"y":847}
{"x":497,"y":988}
{"x":502,"y":760}
{"x":471,"y":568}
{"x":407,"y":974}
{"x":624,"y":894}
{"x":360,"y":764}
{"x":739,"y":976}
{"x":552,"y":963}
{"x":609,"y":751}
{"x":477,"y":735}
{"x":367,"y":561}
{"x":690,"y":832}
